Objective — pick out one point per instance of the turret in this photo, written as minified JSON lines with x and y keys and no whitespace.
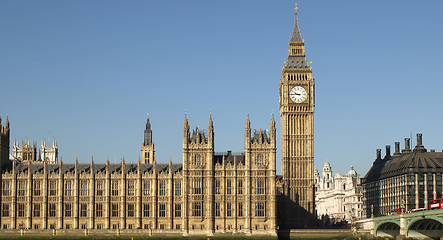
{"x":170,"y":165}
{"x":186,"y":133}
{"x":272,"y":131}
{"x":148,"y":133}
{"x":247,"y":133}
{"x":139,"y":167}
{"x":7,"y":124}
{"x":76,"y":165}
{"x":148,"y":146}
{"x":211,"y":131}
{"x":123,"y":165}
{"x":107,"y":166}
{"x":92,"y":165}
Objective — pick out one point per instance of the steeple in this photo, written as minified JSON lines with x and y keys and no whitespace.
{"x":296,"y":35}
{"x":148,"y":133}
{"x":148,"y":145}
{"x":7,"y":122}
{"x":296,"y":57}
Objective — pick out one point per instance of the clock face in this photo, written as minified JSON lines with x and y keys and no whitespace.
{"x":298,"y":94}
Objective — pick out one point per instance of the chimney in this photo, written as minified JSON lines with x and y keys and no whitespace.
{"x":419,"y":139}
{"x":388,"y":151}
{"x":378,"y":153}
{"x":407,"y":145}
{"x":419,"y":147}
{"x":397,"y":149}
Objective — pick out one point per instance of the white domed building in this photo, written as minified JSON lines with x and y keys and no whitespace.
{"x":340,"y":197}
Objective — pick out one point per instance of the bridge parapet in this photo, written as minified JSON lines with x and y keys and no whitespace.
{"x":416,"y":224}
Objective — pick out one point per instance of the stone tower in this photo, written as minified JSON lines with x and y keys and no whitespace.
{"x":27,"y":152}
{"x":4,"y":143}
{"x":148,"y":145}
{"x":296,"y":97}
{"x":198,"y":176}
{"x":260,"y":163}
{"x":49,"y":154}
{"x":327,"y":181}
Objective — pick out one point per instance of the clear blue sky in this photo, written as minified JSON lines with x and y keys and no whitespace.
{"x":91,"y":70}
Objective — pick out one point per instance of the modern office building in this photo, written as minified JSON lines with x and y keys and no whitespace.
{"x":407,"y":179}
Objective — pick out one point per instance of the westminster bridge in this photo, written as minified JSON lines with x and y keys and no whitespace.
{"x":421,"y":224}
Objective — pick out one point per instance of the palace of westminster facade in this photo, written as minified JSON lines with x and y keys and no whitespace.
{"x":207,"y":193}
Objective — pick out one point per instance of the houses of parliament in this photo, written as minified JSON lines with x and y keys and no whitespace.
{"x":207,"y":193}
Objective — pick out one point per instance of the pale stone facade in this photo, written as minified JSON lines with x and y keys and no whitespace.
{"x":297,"y":100}
{"x":208,"y":193}
{"x":148,"y":145}
{"x":49,"y":153}
{"x":340,"y":197}
{"x":28,"y":152}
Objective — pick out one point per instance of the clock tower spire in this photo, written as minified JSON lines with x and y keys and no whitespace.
{"x":296,"y":101}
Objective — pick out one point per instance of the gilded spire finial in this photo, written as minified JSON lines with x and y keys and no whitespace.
{"x":296,"y":8}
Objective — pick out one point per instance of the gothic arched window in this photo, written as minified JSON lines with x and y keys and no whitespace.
{"x":198,"y":160}
{"x":260,"y":160}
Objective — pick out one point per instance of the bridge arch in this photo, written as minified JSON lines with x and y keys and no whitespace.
{"x":426,"y":227}
{"x":387,"y":229}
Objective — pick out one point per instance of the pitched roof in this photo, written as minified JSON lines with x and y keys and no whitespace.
{"x":416,"y":161}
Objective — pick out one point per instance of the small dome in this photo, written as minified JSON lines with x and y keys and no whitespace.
{"x":352,"y":172}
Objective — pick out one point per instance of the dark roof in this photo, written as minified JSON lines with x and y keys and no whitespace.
{"x":296,"y":63}
{"x":198,"y":136}
{"x":416,"y":161}
{"x":296,"y":35}
{"x":98,"y":168}
{"x":230,"y":158}
{"x":260,"y":133}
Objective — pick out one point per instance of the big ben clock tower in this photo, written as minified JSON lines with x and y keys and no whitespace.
{"x":296,"y":97}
